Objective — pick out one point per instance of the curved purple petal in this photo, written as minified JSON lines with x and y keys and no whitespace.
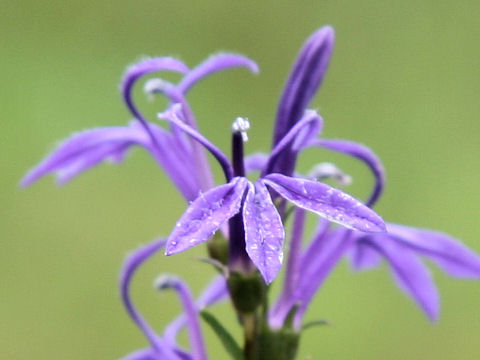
{"x":297,"y":137}
{"x":304,"y":80}
{"x":214,"y":64}
{"x":410,"y":274}
{"x":448,"y":253}
{"x":264,"y":231}
{"x":206,"y":215}
{"x":193,"y":324}
{"x":364,"y":154}
{"x":129,"y":268}
{"x":215,"y":292}
{"x":223,"y":160}
{"x":332,"y":204}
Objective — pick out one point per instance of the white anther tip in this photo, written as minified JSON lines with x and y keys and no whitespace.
{"x":241,"y":125}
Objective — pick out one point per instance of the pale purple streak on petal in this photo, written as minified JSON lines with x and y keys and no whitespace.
{"x":363,"y":257}
{"x":264,"y":231}
{"x":215,"y":292}
{"x":223,"y":160}
{"x":140,"y":69}
{"x":448,"y":253}
{"x":191,"y":313}
{"x":206,"y":215}
{"x":330,"y":203}
{"x":411,"y":275}
{"x":255,"y":162}
{"x":297,"y":137}
{"x":214,"y":64}
{"x":364,"y":154}
{"x":130,"y":266}
{"x":304,"y":80}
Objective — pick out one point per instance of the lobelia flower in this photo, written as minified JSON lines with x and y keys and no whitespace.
{"x":401,"y":246}
{"x":258,"y":229}
{"x":179,"y":157}
{"x":166,"y":347}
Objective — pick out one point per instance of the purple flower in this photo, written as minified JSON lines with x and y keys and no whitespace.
{"x":183,"y":160}
{"x":255,"y":224}
{"x":402,"y":247}
{"x":166,"y":347}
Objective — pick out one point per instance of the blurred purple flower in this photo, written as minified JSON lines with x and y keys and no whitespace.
{"x":166,"y":347}
{"x":401,"y":246}
{"x":183,"y":160}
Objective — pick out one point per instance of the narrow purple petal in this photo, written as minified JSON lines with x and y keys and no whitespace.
{"x":332,"y":204}
{"x":364,"y":154}
{"x":363,"y":257}
{"x":76,"y":145}
{"x":330,"y":246}
{"x":214,"y":64}
{"x":294,"y":251}
{"x":410,"y":274}
{"x":333,"y":246}
{"x":217,"y":153}
{"x":140,"y":69}
{"x":190,"y":310}
{"x":206,"y":215}
{"x":264,"y":231}
{"x":129,"y":268}
{"x":292,"y":272}
{"x":304,"y":80}
{"x":215,"y":292}
{"x":448,"y":253}
{"x":255,"y":162}
{"x":295,"y":139}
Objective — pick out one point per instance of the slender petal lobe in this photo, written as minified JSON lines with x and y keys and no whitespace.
{"x":205,"y":215}
{"x":214,"y":64}
{"x":332,"y":204}
{"x":448,"y":253}
{"x":410,"y":274}
{"x":264,"y":232}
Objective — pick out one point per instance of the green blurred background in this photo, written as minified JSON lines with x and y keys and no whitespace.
{"x":404,"y":79}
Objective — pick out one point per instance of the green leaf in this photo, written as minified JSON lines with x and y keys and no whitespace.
{"x":225,"y":337}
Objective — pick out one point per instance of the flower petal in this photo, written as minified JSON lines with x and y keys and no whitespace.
{"x":195,"y":333}
{"x":255,"y":162}
{"x":294,"y":140}
{"x":215,"y":292}
{"x":362,"y":153}
{"x":214,"y":64}
{"x":410,"y":274}
{"x":446,"y":252}
{"x":264,"y":231}
{"x":172,"y":117}
{"x":205,"y":215}
{"x":363,"y":257}
{"x":144,"y":354}
{"x":304,"y":80}
{"x":332,"y":204}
